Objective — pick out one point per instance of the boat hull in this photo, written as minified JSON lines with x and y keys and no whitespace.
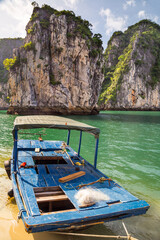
{"x":27,"y":183}
{"x":77,"y":224}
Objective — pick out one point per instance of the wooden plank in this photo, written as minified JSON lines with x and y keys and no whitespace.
{"x":48,"y":158}
{"x":55,"y":174}
{"x":23,"y":194}
{"x":43,"y":145}
{"x":113,"y":203}
{"x":24,"y":143}
{"x":41,"y":170}
{"x":87,"y":205}
{"x":53,"y":144}
{"x":53,"y":170}
{"x":35,"y":144}
{"x":41,"y":182}
{"x":50,"y":206}
{"x":71,"y":176}
{"x":49,"y":180}
{"x":47,"y":189}
{"x":32,"y":201}
{"x":61,"y":211}
{"x":51,"y":198}
{"x":49,"y":193}
{"x":30,"y":196}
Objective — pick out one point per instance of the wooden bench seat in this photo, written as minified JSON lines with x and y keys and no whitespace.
{"x":51,"y":198}
{"x":44,"y":194}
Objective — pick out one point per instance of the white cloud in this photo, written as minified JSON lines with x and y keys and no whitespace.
{"x":60,"y":4}
{"x":155,"y":18}
{"x":113,"y":23}
{"x":142,"y":14}
{"x":129,"y":3}
{"x":17,"y":9}
{"x":14,"y":16}
{"x":71,"y":3}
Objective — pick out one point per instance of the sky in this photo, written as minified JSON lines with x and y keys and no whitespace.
{"x":106,"y":16}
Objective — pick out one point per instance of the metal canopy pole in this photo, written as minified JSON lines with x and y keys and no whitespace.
{"x":15,"y":149}
{"x":80,"y":140}
{"x":96,"y":152}
{"x":69,"y":132}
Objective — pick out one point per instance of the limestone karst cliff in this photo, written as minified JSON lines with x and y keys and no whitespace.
{"x":6,"y":51}
{"x":59,"y":67}
{"x":132,"y":69}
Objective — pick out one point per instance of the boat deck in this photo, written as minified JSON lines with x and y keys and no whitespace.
{"x":46,"y":199}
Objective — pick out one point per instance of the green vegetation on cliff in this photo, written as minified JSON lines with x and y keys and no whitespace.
{"x":82,"y":27}
{"x":53,"y":81}
{"x":76,"y":27}
{"x":10,"y":63}
{"x":137,"y":42}
{"x":6,"y":51}
{"x":59,"y":64}
{"x":116,"y":74}
{"x":29,"y":46}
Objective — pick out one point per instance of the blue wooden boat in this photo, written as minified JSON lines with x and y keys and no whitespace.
{"x":47,"y":175}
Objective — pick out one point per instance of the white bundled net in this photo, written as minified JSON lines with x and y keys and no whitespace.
{"x":88,"y":196}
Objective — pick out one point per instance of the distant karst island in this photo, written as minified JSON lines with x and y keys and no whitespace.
{"x":61,"y":68}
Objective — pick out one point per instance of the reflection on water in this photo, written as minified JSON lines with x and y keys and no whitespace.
{"x":128,"y":153}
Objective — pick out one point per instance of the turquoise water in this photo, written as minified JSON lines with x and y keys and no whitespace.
{"x":129,"y":153}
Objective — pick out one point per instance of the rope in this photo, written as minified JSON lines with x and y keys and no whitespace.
{"x":129,"y":237}
{"x":100,"y":180}
{"x":67,"y":186}
{"x":96,"y":236}
{"x":64,"y":145}
{"x":125,"y":228}
{"x":20,"y":214}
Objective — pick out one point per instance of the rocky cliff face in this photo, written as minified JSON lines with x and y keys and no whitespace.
{"x":132,"y":69}
{"x":6,"y":51}
{"x":59,"y":68}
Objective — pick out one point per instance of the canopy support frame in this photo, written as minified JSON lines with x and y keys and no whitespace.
{"x":68,"y":138}
{"x":80,"y":140}
{"x":96,"y":152}
{"x":15,"y":149}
